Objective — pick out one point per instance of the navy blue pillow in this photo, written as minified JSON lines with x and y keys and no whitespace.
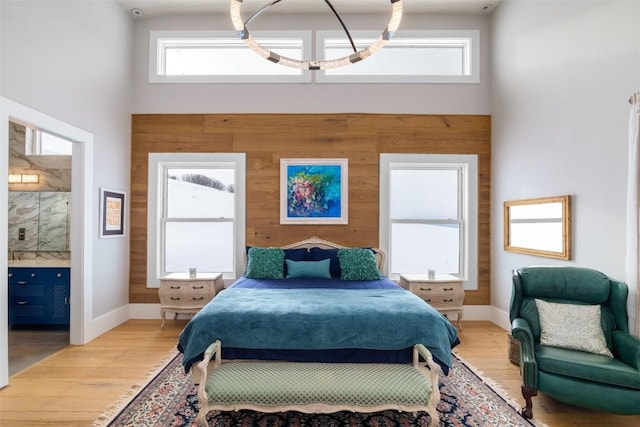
{"x":317,"y":254}
{"x":301,"y":254}
{"x":292,"y":254}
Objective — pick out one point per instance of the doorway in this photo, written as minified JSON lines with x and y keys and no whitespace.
{"x":39,"y":220}
{"x":81,"y":242}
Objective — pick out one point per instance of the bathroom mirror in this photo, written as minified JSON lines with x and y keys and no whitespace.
{"x":540,"y":227}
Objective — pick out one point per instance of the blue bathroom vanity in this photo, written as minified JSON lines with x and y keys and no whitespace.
{"x":39,"y":295}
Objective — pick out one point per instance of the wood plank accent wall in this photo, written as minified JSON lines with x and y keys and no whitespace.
{"x":266,"y":138}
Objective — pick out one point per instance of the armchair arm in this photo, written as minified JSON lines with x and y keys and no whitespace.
{"x":521,"y":330}
{"x":626,"y":347}
{"x":618,"y":305}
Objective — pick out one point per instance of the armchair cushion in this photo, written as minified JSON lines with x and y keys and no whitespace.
{"x":572,"y":326}
{"x":587,"y":366}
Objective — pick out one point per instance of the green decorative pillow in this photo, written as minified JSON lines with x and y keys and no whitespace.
{"x":358,"y":264}
{"x":265,"y":263}
{"x":572,"y":326}
{"x":308,"y":269}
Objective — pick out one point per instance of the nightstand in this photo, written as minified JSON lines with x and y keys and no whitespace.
{"x":180,"y":293}
{"x":444,"y":292}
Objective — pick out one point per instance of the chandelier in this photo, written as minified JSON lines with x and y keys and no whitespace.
{"x":357,"y":55}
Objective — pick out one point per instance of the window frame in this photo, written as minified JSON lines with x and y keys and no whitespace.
{"x":33,"y":141}
{"x":156,"y":206}
{"x":467,"y":164}
{"x":38,"y":145}
{"x":156,"y":59}
{"x":471,"y":57}
{"x":309,"y":49}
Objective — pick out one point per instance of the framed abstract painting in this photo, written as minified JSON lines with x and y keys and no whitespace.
{"x":314,"y":191}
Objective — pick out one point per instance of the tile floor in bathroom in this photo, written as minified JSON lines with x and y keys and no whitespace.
{"x":30,"y":344}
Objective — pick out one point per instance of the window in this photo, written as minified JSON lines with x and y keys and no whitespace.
{"x":39,"y":142}
{"x":196,"y":218}
{"x":435,"y":56}
{"x":48,"y":144}
{"x":409,"y":57}
{"x":428,"y":214}
{"x":221,"y":57}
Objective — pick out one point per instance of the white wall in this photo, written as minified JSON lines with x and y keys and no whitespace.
{"x":73,"y":60}
{"x":562,"y":75}
{"x":311,"y":98}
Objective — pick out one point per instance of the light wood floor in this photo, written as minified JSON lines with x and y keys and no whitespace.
{"x":74,"y":386}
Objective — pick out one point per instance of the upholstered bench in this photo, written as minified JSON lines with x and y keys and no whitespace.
{"x":273,"y":386}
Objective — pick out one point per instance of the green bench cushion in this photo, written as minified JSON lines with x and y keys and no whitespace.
{"x":271,"y":384}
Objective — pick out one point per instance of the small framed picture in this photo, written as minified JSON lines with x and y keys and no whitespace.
{"x":112,"y":213}
{"x":314,"y":191}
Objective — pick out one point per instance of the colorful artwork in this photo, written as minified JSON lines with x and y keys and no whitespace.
{"x":313,"y":191}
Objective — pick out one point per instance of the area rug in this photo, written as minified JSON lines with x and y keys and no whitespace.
{"x":169,"y":398}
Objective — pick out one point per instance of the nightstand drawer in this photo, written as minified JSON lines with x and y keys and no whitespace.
{"x":442,"y":301}
{"x":434,"y":288}
{"x":184,"y":299}
{"x":196,"y":287}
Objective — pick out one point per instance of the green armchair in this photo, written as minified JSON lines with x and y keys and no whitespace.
{"x":600,"y":382}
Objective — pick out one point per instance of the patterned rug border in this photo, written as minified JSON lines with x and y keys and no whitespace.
{"x":130,"y":395}
{"x":498,"y":389}
{"x":115,"y":409}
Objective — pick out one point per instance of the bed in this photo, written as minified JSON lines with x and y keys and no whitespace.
{"x":315,"y":327}
{"x":342,"y":317}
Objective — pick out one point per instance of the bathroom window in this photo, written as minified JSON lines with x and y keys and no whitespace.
{"x":42,"y":143}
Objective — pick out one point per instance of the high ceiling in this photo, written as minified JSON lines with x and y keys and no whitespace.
{"x":151,"y":8}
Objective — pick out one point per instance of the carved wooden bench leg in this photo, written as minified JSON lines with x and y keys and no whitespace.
{"x":528,"y":393}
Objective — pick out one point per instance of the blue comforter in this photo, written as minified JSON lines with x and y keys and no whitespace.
{"x":318,"y":319}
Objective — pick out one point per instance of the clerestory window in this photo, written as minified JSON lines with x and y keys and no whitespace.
{"x":434,"y":56}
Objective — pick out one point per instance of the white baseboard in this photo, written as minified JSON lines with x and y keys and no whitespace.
{"x":500,"y":318}
{"x":476,"y":312}
{"x":106,"y":322}
{"x":486,"y":313}
{"x":144,"y":311}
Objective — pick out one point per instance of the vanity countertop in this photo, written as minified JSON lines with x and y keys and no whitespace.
{"x":39,"y":263}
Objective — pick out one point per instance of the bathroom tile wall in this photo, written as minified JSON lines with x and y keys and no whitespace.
{"x":39,"y":214}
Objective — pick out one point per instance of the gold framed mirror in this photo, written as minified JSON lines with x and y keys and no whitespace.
{"x":540,"y":227}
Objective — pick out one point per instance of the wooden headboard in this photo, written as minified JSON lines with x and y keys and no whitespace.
{"x":316,"y":242}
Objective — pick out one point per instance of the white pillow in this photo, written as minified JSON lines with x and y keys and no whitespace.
{"x":572,"y":326}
